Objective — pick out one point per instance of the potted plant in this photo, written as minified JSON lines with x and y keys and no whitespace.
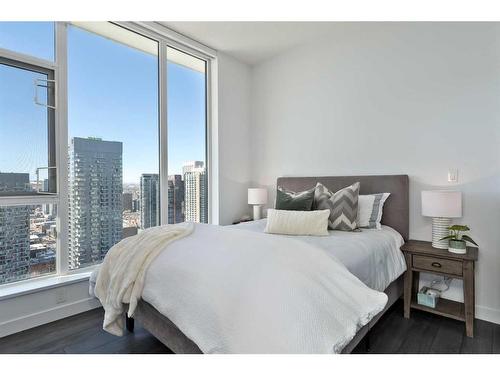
{"x":457,"y":240}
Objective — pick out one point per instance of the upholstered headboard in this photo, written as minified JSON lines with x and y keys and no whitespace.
{"x":396,"y":208}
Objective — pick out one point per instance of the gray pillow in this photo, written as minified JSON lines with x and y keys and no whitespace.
{"x":343,"y":206}
{"x":289,"y":200}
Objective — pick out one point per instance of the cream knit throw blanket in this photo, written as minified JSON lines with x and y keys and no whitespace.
{"x":122,"y":273}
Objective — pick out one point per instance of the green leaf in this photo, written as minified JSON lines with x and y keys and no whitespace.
{"x":460,"y":228}
{"x":468,"y":239}
{"x":450,"y":237}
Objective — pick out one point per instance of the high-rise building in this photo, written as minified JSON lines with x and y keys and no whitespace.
{"x":127,"y":201}
{"x":136,"y":205}
{"x":45,"y":186}
{"x":195,"y":192}
{"x":14,"y":231}
{"x":95,"y":199}
{"x":15,"y":183}
{"x":175,"y":199}
{"x":150,"y":200}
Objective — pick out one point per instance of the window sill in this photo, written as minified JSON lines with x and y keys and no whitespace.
{"x":42,"y":283}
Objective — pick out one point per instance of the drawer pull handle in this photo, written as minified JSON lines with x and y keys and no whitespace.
{"x":436,"y":264}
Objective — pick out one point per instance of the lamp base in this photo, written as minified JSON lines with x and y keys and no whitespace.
{"x":439,"y":230}
{"x":256,"y":211}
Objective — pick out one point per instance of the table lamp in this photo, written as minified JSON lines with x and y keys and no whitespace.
{"x":442,"y":206}
{"x":257,"y":197}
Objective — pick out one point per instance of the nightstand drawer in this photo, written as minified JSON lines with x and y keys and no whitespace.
{"x":452,"y":267}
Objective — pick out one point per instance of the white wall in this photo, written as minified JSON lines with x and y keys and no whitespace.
{"x":234,"y":147}
{"x":392,"y":98}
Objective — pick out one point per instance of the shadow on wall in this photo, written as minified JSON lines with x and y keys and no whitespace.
{"x":233,"y":200}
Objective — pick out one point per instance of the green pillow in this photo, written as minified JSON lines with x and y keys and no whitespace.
{"x":289,"y":200}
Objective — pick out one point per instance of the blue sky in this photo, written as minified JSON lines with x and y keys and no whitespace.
{"x":112,"y":94}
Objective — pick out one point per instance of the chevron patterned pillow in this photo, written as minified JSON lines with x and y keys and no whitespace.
{"x":343,"y":206}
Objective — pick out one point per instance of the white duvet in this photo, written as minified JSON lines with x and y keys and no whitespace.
{"x":236,"y":291}
{"x":372,"y":255}
{"x":121,"y":276}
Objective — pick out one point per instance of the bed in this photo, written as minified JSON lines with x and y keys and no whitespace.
{"x":394,"y":232}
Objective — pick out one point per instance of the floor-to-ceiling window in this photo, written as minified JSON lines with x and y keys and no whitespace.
{"x":84,"y":108}
{"x":186,"y":110}
{"x":113,"y":138}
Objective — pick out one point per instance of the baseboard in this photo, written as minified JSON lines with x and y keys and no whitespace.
{"x":488,"y":314}
{"x":46,"y":316}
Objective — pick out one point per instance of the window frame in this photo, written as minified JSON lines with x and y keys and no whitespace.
{"x":169,"y":38}
{"x":13,"y":198}
{"x":51,"y":69}
{"x":51,"y":127}
{"x":165,"y":38}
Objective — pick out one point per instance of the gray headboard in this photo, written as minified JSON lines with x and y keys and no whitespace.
{"x":396,"y":208}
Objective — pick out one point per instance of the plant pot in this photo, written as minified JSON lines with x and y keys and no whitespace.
{"x":457,"y":247}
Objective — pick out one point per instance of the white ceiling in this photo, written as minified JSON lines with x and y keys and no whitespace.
{"x":251,"y":42}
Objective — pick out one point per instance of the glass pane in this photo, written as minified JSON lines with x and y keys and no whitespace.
{"x":27,"y":240}
{"x":31,"y":38}
{"x":23,"y":123}
{"x":186,"y":109}
{"x":113,"y":130}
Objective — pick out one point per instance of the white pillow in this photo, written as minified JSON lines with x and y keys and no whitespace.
{"x":298,"y":223}
{"x":370,"y":208}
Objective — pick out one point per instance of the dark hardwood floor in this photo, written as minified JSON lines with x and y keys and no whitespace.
{"x":423,"y":333}
{"x":80,"y":333}
{"x":426,"y":333}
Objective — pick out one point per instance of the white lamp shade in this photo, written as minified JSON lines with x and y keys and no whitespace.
{"x":257,"y":196}
{"x":442,"y":203}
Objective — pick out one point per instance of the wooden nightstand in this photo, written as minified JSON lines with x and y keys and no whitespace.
{"x":422,"y":257}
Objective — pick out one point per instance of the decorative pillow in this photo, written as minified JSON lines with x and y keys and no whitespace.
{"x":370,"y":210}
{"x":289,"y":200}
{"x":298,"y":223}
{"x":343,"y":206}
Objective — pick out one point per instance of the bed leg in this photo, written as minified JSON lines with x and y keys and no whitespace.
{"x":129,"y":323}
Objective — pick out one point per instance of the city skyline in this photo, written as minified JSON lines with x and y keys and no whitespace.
{"x":113,"y":140}
{"x":98,"y":216}
{"x":27,"y":234}
{"x":133,"y":110}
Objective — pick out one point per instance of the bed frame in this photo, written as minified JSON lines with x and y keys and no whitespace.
{"x":396,"y":215}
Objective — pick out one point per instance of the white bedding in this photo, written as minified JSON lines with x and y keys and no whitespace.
{"x":236,"y":291}
{"x":372,"y":255}
{"x":122,"y":273}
